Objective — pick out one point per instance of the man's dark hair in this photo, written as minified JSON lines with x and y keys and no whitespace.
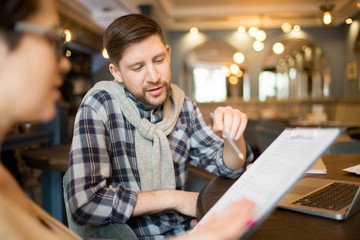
{"x":126,"y":31}
{"x":12,"y":11}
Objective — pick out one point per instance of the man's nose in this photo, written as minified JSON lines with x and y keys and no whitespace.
{"x":153,"y":73}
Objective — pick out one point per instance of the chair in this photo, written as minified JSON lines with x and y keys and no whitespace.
{"x":118,"y":231}
{"x":266,"y":132}
{"x":197,"y":178}
{"x":251,"y":138}
{"x":344,"y":147}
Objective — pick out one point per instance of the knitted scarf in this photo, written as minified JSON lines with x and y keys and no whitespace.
{"x":153,"y":154}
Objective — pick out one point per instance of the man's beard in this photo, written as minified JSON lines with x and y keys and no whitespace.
{"x":146,"y":101}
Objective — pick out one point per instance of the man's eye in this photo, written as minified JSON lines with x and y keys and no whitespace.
{"x":137,"y":68}
{"x":159,"y":60}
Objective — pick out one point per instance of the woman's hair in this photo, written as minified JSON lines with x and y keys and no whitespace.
{"x":12,"y":11}
{"x":126,"y":31}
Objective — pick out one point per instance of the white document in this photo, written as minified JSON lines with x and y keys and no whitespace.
{"x":354,"y":169}
{"x":277,"y":170}
{"x":318,"y":167}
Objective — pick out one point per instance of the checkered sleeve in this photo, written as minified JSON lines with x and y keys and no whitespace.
{"x":207,"y":148}
{"x":91,"y":197}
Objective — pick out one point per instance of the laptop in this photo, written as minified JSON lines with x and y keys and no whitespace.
{"x":328,"y":198}
{"x":277,"y":170}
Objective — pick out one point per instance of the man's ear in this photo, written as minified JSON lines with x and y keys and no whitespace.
{"x":115,"y":72}
{"x":168,"y":50}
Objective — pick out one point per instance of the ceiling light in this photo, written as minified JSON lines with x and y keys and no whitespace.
{"x":278,"y":48}
{"x":253,"y":31}
{"x":286,"y":27}
{"x":258,"y":46}
{"x":296,"y":28}
{"x":234,"y":68}
{"x":240,"y":73}
{"x":238,"y":57}
{"x":241,"y":29}
{"x":105,"y":53}
{"x":226,"y":71}
{"x":194,"y":30}
{"x":327,"y":17}
{"x":260,"y":35}
{"x":348,"y":21}
{"x":233,"y":80}
{"x":67,"y":35}
{"x":68,"y":53}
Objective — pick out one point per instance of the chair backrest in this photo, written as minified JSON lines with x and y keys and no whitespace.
{"x":197,"y":178}
{"x":267,"y":132}
{"x":344,"y":147}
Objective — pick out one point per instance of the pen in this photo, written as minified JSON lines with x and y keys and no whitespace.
{"x":229,"y":139}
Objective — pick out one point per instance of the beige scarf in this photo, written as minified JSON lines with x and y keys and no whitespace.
{"x":154,"y":157}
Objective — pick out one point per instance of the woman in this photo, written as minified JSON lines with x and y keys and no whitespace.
{"x":30,"y":75}
{"x":31,"y":66}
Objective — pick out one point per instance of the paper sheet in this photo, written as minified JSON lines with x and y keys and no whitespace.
{"x":318,"y":168}
{"x":273,"y":174}
{"x":354,"y":169}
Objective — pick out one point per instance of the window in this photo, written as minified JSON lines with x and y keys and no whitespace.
{"x":267,"y":85}
{"x":210,"y":84}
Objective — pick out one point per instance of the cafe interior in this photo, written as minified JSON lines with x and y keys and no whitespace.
{"x":286,"y":64}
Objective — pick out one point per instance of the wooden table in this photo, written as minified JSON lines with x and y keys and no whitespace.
{"x":53,"y":158}
{"x":53,"y":161}
{"x":285,"y":224}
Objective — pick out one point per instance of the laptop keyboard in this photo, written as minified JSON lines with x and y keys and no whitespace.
{"x":334,"y":196}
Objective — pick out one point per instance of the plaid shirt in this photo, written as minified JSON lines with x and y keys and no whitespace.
{"x":103,"y":178}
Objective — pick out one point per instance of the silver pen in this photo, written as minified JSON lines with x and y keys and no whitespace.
{"x":229,"y":139}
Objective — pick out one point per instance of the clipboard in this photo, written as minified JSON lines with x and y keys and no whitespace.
{"x":276,"y":171}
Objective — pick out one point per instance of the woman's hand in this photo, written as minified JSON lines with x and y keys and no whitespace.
{"x":229,"y":225}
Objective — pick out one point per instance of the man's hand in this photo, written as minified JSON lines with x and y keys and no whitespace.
{"x":233,"y":121}
{"x":186,"y":203}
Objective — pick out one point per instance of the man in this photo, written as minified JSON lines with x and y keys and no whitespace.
{"x":134,"y":136}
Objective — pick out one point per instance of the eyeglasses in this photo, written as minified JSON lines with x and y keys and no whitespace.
{"x":56,"y":36}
